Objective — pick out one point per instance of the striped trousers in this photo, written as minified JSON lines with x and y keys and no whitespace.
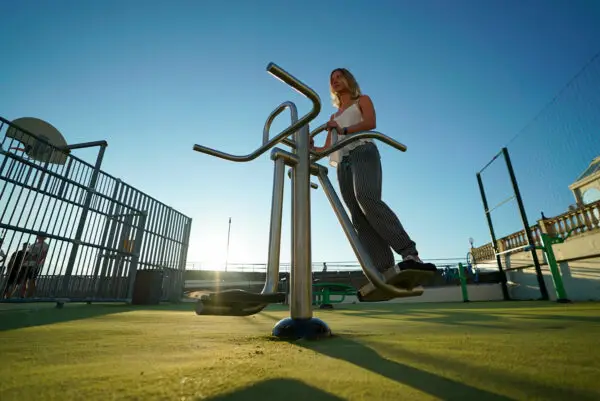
{"x":379,"y":229}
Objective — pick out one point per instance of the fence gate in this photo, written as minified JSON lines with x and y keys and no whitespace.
{"x":70,"y":230}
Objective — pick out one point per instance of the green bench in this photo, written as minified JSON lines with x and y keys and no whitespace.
{"x":323,"y":293}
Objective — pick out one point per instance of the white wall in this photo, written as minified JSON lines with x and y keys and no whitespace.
{"x":483,"y":292}
{"x":578,"y":261}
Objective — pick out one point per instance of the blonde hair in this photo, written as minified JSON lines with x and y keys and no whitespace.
{"x":350,"y":82}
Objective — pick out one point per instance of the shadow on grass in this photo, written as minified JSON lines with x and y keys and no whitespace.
{"x":443,"y":388}
{"x":540,"y":390}
{"x":563,"y":318}
{"x":447,"y":317}
{"x":507,"y":319}
{"x":30,"y":315}
{"x":438,"y":306}
{"x":270,"y":317}
{"x":367,"y":358}
{"x":277,"y":389}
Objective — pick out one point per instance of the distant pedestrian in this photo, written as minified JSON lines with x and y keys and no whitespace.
{"x":16,"y":272}
{"x":34,"y":261}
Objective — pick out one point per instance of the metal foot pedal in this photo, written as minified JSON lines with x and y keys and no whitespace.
{"x":236,"y":303}
{"x":408,"y":280}
{"x":377,"y":295}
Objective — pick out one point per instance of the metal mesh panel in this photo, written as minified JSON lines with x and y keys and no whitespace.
{"x":99,"y":231}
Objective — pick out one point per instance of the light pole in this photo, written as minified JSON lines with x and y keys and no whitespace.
{"x":227,"y":252}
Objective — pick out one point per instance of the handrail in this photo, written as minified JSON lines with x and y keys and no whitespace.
{"x":274,"y":114}
{"x":296,"y":84}
{"x":318,"y":130}
{"x":354,"y":137}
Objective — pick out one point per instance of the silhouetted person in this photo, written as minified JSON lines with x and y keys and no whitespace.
{"x":17,"y":273}
{"x":2,"y":256}
{"x":34,"y":261}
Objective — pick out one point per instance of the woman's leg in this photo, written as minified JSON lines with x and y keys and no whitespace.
{"x":365,"y":163}
{"x":377,"y":248}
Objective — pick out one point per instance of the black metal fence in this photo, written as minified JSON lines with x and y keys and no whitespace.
{"x":96,"y":231}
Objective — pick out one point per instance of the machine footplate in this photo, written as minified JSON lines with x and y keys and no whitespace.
{"x":408,"y":280}
{"x":236,"y":303}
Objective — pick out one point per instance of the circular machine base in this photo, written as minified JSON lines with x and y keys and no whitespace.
{"x":295,"y":329}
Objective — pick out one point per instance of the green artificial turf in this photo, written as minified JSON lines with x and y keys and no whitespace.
{"x":479,"y":351}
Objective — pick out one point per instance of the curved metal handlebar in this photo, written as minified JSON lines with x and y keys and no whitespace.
{"x":318,"y":130}
{"x":274,"y":114}
{"x":299,"y":86}
{"x":354,"y":137}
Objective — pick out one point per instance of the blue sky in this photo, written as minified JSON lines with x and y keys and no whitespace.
{"x":454,"y":81}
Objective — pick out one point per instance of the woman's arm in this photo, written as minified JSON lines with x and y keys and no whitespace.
{"x":327,"y":140}
{"x":369,"y":121}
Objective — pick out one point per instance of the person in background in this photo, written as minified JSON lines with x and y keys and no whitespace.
{"x":34,"y":261}
{"x":2,"y":256}
{"x":16,"y":271}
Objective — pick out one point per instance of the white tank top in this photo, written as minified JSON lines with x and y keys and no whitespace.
{"x":348,"y":117}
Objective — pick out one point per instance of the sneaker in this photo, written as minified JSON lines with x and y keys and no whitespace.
{"x":409,"y":273}
{"x":413,"y":262}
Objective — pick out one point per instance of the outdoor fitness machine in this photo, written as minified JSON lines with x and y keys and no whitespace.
{"x":302,"y":163}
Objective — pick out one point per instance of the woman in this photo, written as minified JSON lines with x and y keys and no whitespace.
{"x":359,"y":175}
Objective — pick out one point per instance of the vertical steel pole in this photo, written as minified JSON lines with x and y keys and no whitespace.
{"x":128,"y":221}
{"x":84,"y":213}
{"x":107,"y":224}
{"x":301,"y":271}
{"x":162,"y":233}
{"x":135,"y":258}
{"x":536,"y":262}
{"x":109,"y":256}
{"x":154,"y":216}
{"x":174,"y":293}
{"x":64,"y":180}
{"x":272,"y":273}
{"x":185,"y":240}
{"x":227,"y":250}
{"x":493,"y":235}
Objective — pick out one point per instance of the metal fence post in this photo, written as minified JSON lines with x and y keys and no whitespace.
{"x":526,"y":227}
{"x":488,"y":217}
{"x":185,"y":240}
{"x":135,"y":258}
{"x":82,"y":220}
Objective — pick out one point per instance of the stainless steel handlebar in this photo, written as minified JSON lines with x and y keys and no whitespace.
{"x":354,"y":137}
{"x":274,"y":114}
{"x":299,"y":86}
{"x":318,"y":130}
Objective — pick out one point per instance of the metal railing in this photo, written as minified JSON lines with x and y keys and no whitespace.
{"x":341,"y":266}
{"x":99,"y":231}
{"x":583,"y":219}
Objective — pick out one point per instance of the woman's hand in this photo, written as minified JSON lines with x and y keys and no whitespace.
{"x":331,"y":124}
{"x":316,"y":148}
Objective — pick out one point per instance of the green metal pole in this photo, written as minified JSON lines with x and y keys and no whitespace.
{"x":326,"y":296}
{"x":547,"y":242}
{"x":463,"y":282}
